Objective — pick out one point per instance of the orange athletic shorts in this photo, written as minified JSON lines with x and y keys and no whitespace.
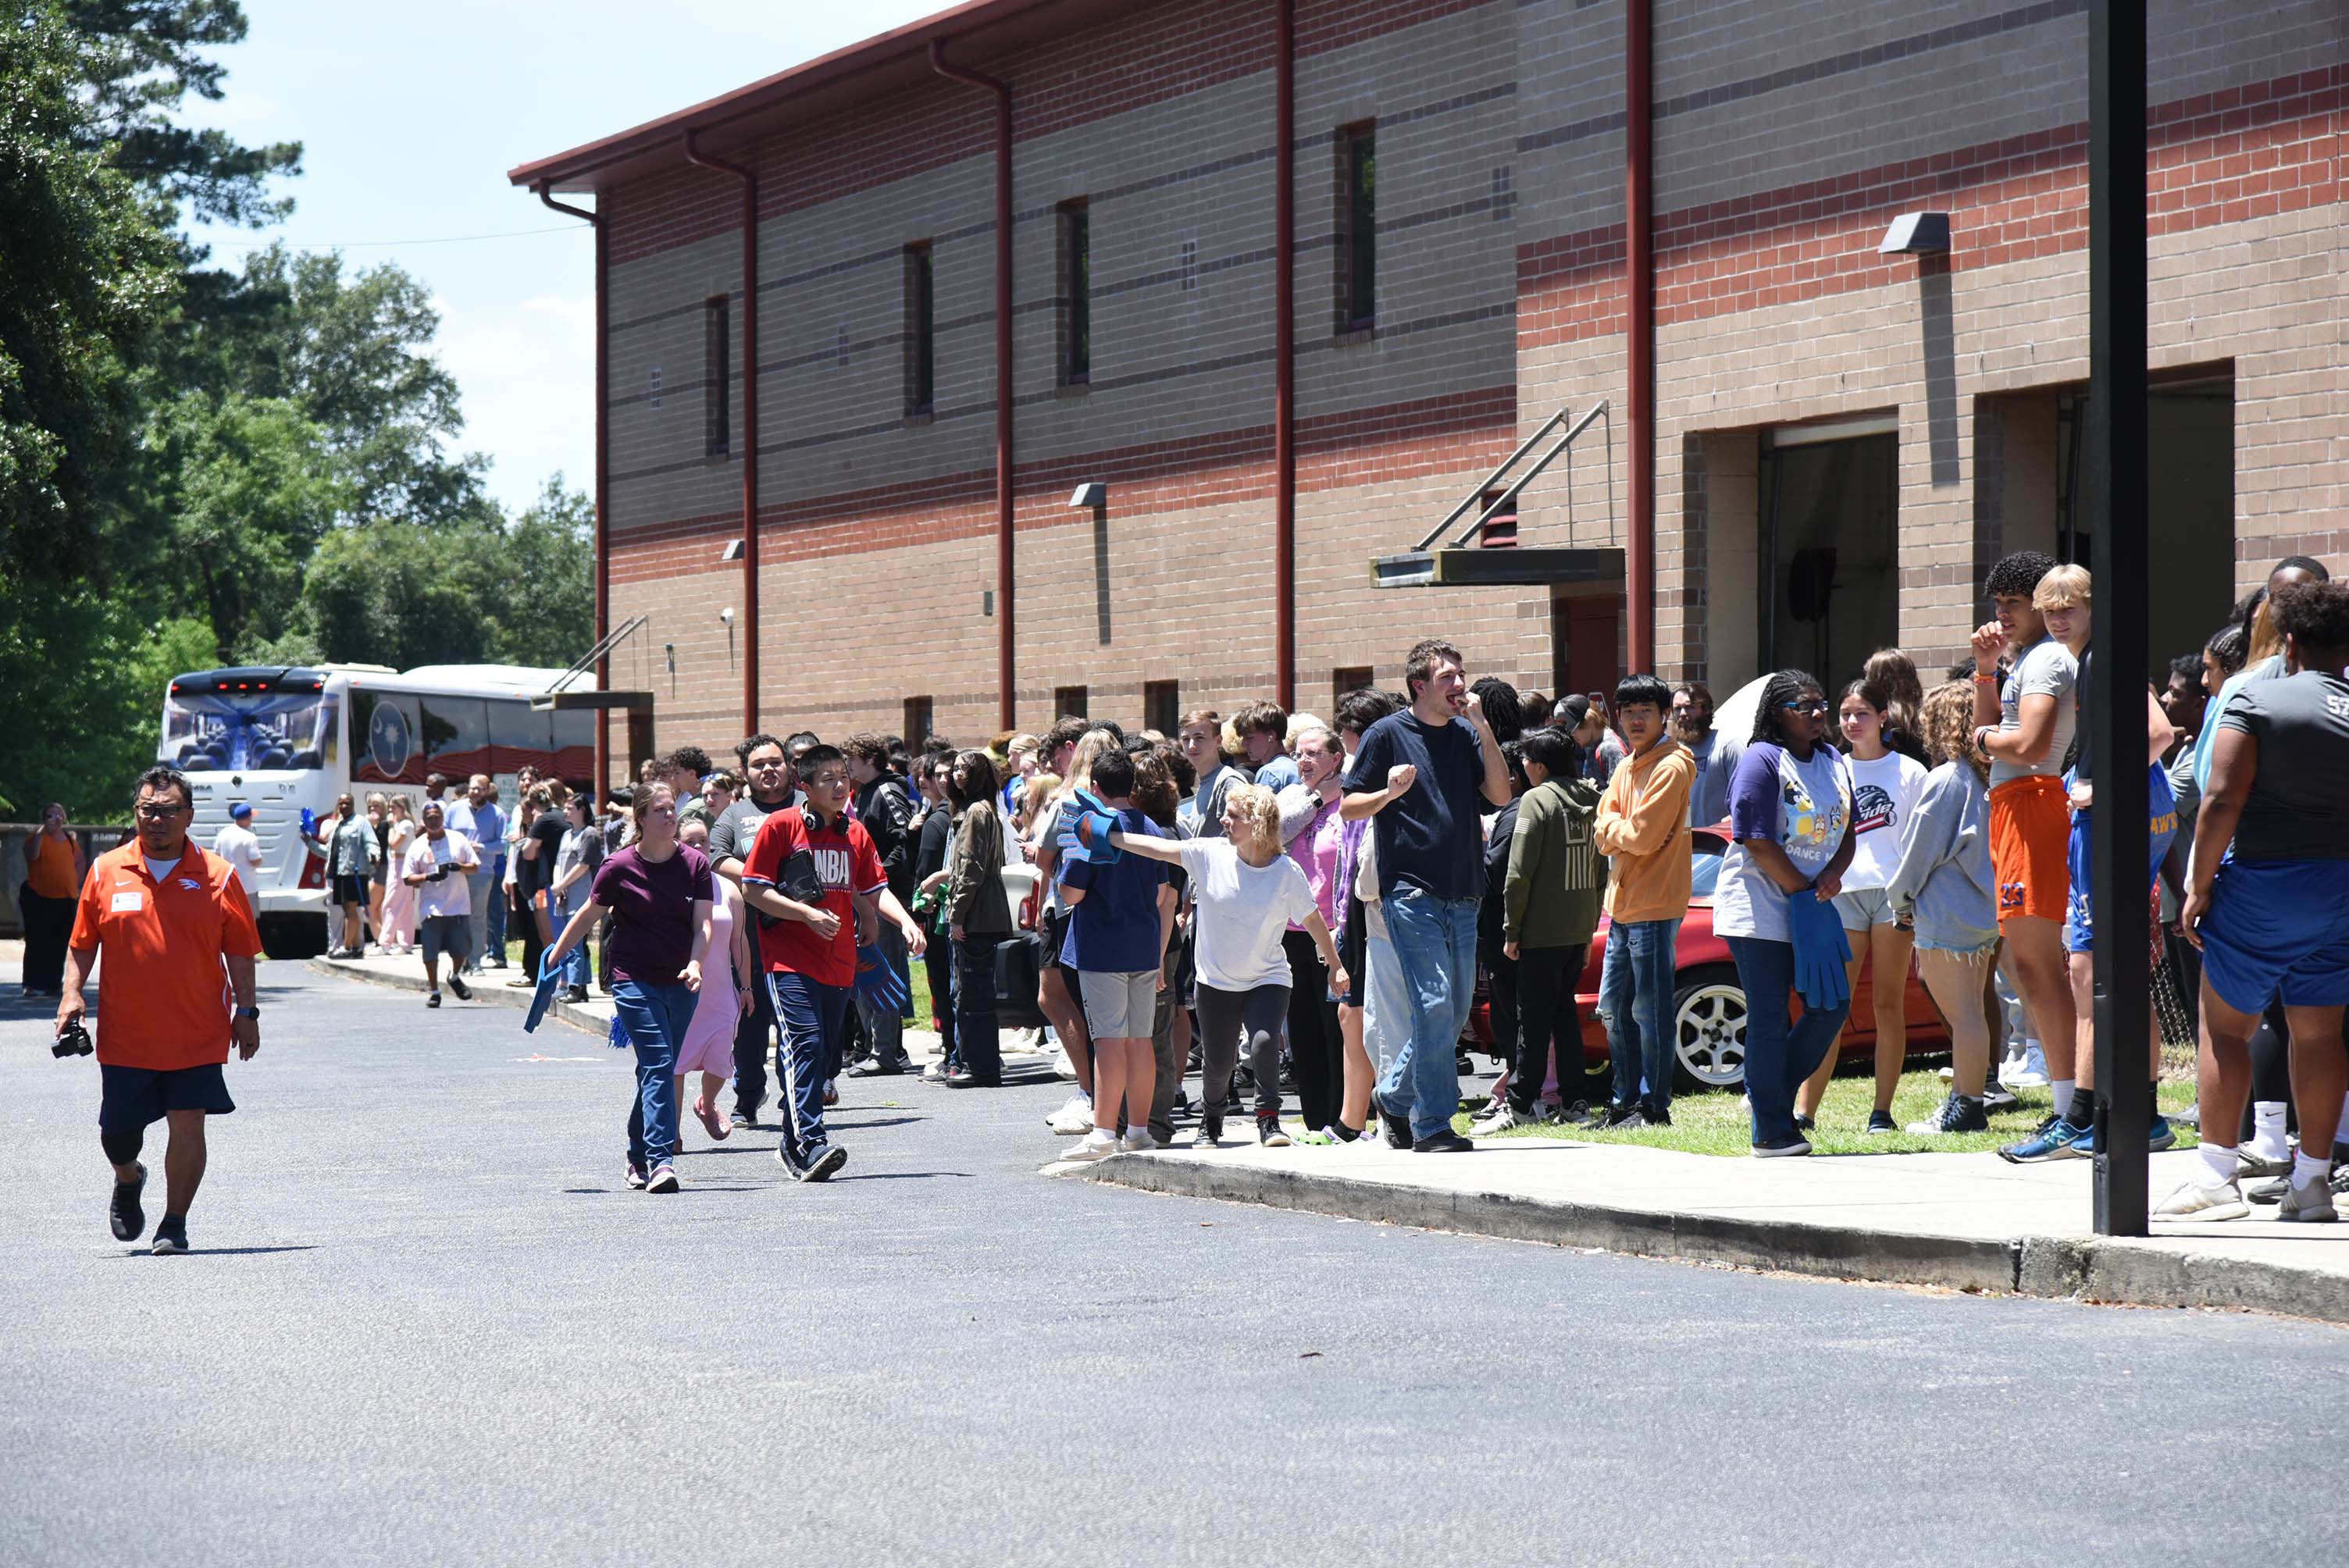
{"x":2030,"y":837}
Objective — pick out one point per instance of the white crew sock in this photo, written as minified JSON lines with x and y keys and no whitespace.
{"x":2219,"y":1166}
{"x":2310,"y":1171}
{"x":2061,"y":1090}
{"x":2267,"y":1130}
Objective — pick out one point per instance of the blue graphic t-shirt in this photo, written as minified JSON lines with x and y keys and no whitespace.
{"x":1804,"y":807}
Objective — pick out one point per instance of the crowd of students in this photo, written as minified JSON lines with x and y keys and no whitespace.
{"x":1282,"y":902}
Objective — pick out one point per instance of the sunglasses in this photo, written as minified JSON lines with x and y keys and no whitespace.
{"x":1814,"y":707}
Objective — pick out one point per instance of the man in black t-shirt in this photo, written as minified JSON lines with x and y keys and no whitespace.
{"x":534,"y":867}
{"x":1423,"y":776}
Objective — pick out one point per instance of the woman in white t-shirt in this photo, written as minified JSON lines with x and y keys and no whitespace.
{"x":1885,"y":785}
{"x":1246,"y":894}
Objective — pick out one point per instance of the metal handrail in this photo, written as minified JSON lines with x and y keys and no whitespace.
{"x":1509,"y":495}
{"x":1508,"y":498}
{"x":587,"y":661}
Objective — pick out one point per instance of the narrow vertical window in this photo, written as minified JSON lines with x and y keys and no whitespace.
{"x":1358,"y":229}
{"x":717,"y":378}
{"x":1076,"y":292}
{"x":918,"y":721}
{"x":921,"y":347}
{"x":1162,"y":706}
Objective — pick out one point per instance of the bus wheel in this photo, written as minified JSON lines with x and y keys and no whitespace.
{"x":292,"y":935}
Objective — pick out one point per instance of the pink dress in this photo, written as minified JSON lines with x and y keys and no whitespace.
{"x":709,"y":1044}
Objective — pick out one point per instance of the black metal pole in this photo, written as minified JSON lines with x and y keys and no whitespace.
{"x":2112,"y":488}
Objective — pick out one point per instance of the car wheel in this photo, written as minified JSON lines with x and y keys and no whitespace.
{"x":1709,"y":1029}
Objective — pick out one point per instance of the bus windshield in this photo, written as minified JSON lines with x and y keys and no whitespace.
{"x":209,"y":731}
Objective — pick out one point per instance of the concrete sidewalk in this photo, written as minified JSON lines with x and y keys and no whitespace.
{"x":1966,"y":1222}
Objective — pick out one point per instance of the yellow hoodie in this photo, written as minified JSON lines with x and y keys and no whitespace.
{"x":1642,"y":822}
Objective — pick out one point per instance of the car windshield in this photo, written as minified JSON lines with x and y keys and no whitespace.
{"x":211,"y":732}
{"x":1704,"y":867}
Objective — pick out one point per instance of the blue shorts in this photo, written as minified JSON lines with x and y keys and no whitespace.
{"x":2278,"y":931}
{"x":2079,"y":919}
{"x":131,"y":1100}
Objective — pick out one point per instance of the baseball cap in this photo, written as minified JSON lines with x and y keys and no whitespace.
{"x":240,"y":810}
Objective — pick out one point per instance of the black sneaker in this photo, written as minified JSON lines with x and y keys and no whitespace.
{"x":1268,"y":1132}
{"x":1779,"y":1148}
{"x":433,"y":998}
{"x":1578,"y":1114}
{"x":824,"y":1166}
{"x":1443,"y":1140}
{"x":457,"y":983}
{"x":1211,"y":1132}
{"x":1996,"y":1096}
{"x":1618,"y":1114}
{"x":1655,"y":1115}
{"x":1396,"y":1129}
{"x":171,"y":1236}
{"x":495,"y":964}
{"x":1880,"y":1122}
{"x":873,"y":1066}
{"x":1957,"y":1114}
{"x":574,"y":994}
{"x":741,"y":1121}
{"x":784,"y":1158}
{"x":124,"y":1213}
{"x":1806,"y":1123}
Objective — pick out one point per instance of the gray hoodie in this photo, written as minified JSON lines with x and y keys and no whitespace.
{"x":1944,"y":878}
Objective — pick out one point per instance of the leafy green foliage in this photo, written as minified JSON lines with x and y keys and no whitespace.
{"x":201,"y":466}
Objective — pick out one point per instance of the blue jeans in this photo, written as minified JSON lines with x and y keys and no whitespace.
{"x":1635,"y":994}
{"x":1780,"y":1051}
{"x":1435,"y":942}
{"x":655,"y":1017}
{"x":575,"y":963}
{"x":814,"y":1022}
{"x":497,"y":932}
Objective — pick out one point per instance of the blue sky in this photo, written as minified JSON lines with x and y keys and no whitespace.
{"x":410,"y":118}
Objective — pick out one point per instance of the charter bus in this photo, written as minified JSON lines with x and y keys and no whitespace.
{"x":293,"y":739}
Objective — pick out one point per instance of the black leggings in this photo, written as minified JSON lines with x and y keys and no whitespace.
{"x":1315,"y":1043}
{"x":1228,"y":1019}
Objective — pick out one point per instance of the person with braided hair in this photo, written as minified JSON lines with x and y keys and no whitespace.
{"x":1790,"y":830}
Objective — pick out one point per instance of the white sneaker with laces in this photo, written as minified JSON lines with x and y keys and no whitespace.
{"x":1500,"y":1119}
{"x":2031,"y":1072}
{"x":2194,"y":1202}
{"x":1098,"y":1144}
{"x":1075,"y":1117}
{"x":1137,"y":1140}
{"x":1062,"y":1067}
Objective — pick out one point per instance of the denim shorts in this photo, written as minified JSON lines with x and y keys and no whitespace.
{"x":1863,"y":907}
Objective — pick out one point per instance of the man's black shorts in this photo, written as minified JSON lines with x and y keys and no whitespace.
{"x":134,"y":1098}
{"x":350,"y":889}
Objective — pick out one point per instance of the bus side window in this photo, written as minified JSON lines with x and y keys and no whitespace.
{"x":520,"y":734}
{"x":456,"y":735}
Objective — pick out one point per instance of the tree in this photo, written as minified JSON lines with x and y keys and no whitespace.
{"x":141,"y":58}
{"x":86,"y":275}
{"x":546,"y":614}
{"x":250,"y":492}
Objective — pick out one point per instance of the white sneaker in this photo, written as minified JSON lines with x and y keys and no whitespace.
{"x":2194,"y":1202}
{"x":1137,"y":1140}
{"x":2309,"y":1205}
{"x":1500,"y":1119}
{"x":1075,"y":1117}
{"x":2029,"y":1072}
{"x":1098,"y":1144}
{"x":1023,"y":1042}
{"x":1063,"y":1068}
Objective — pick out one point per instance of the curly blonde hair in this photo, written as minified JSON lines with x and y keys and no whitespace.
{"x":1255,"y":806}
{"x":1948,"y":726}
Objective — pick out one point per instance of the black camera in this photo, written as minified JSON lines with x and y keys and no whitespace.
{"x":73,"y":1040}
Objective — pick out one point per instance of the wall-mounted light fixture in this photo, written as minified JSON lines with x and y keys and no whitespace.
{"x":734,"y":551}
{"x":1091,"y":495}
{"x":1916,"y":234}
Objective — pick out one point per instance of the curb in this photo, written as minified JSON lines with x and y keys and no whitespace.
{"x":2122,"y":1272}
{"x":496,"y":994}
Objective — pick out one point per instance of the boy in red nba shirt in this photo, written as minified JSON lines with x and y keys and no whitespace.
{"x":815,"y":881}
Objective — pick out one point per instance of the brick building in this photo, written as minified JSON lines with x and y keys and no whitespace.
{"x":1841,"y":439}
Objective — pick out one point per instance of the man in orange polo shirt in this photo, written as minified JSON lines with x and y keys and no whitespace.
{"x":180,"y":940}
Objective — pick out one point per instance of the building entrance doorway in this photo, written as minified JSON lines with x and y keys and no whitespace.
{"x":1830,"y":587}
